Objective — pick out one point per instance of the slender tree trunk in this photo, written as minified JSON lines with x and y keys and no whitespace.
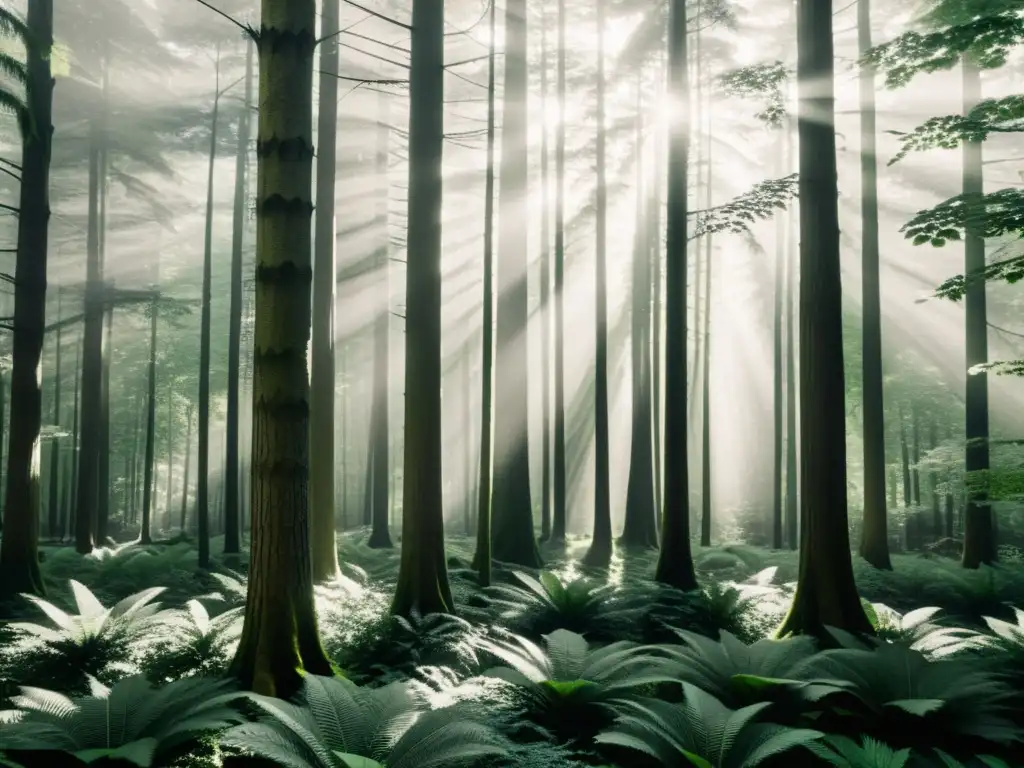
{"x":826,"y":594}
{"x":170,"y":456}
{"x":915,"y":473}
{"x":559,"y":510}
{"x":792,"y":466}
{"x":933,"y":481}
{"x":75,"y":448}
{"x":380,"y":537}
{"x":640,"y":525}
{"x":203,"y":424}
{"x":187,"y":467}
{"x":279,"y":637}
{"x":705,"y":392}
{"x":874,"y":544}
{"x":423,"y":574}
{"x":232,"y":476}
{"x":134,"y":490}
{"x":979,"y":533}
{"x":545,"y":302}
{"x":19,"y":560}
{"x":675,"y":563}
{"x":778,"y":404}
{"x":512,"y":535}
{"x":145,"y":536}
{"x":466,"y":391}
{"x":600,"y":552}
{"x":53,"y":506}
{"x":482,"y":556}
{"x":103,"y":472}
{"x":655,"y":236}
{"x":321,"y":393}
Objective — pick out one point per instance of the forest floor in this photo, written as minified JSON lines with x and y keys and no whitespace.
{"x":533,"y":624}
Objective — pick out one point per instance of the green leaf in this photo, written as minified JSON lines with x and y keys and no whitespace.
{"x":357,"y":761}
{"x":919,"y":707}
{"x":138,"y":753}
{"x":697,"y":760}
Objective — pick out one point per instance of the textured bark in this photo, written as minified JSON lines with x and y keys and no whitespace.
{"x":380,"y":537}
{"x":423,"y":573}
{"x":640,"y":527}
{"x":512,"y":536}
{"x":19,"y":560}
{"x":826,"y":594}
{"x":322,"y":390}
{"x":145,"y":536}
{"x":600,"y":552}
{"x":874,"y":543}
{"x":482,"y":555}
{"x":979,"y":533}
{"x":558,"y":488}
{"x":280,"y":638}
{"x":675,"y":563}
{"x":233,"y":509}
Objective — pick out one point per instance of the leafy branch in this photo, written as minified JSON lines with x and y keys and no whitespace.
{"x":757,"y":204}
{"x":988,"y":40}
{"x":760,"y":80}
{"x":996,"y":214}
{"x":1004,"y":115}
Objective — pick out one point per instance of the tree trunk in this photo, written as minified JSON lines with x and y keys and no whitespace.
{"x":778,"y":435}
{"x":482,"y":556}
{"x":979,"y":534}
{"x":380,"y":537}
{"x":53,"y":506}
{"x":170,"y":457}
{"x":232,"y":476}
{"x":188,"y":466}
{"x":558,"y":489}
{"x":545,"y":302}
{"x":19,"y":559}
{"x":203,"y":423}
{"x":280,"y":638}
{"x":640,"y":525}
{"x":321,"y":392}
{"x":600,"y":552}
{"x":512,"y":537}
{"x":103,"y":484}
{"x":705,"y":392}
{"x":75,"y":424}
{"x":826,"y":594}
{"x":792,"y":516}
{"x":134,"y":490}
{"x":874,"y":543}
{"x":654,"y":234}
{"x":675,"y":563}
{"x":423,"y":574}
{"x":145,"y":536}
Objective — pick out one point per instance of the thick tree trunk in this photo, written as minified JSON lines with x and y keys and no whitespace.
{"x":322,"y":391}
{"x":19,"y":560}
{"x":482,"y":556}
{"x":675,"y":563}
{"x":979,"y":533}
{"x":600,"y":552}
{"x":145,"y":535}
{"x":380,"y":536}
{"x":512,"y":535}
{"x":826,"y":594}
{"x":423,"y":574}
{"x":874,"y":543}
{"x":280,"y":638}
{"x":232,"y":476}
{"x":558,"y":489}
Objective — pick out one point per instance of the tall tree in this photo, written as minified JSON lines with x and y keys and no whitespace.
{"x":558,"y":489}
{"x":380,"y":536}
{"x":826,"y":593}
{"x":482,"y":556}
{"x":232,"y":510}
{"x":423,"y":573}
{"x":321,"y":395}
{"x":600,"y":552}
{"x":280,"y":637}
{"x":147,"y":488}
{"x":53,"y":505}
{"x":545,"y":299}
{"x":874,"y":543}
{"x":512,"y":538}
{"x":675,"y":563}
{"x":19,"y":560}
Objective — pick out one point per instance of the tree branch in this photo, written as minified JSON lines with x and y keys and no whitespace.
{"x":252,"y":33}
{"x":380,"y":16}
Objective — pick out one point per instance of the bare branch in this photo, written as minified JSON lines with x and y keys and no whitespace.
{"x":380,"y":16}
{"x":252,"y":33}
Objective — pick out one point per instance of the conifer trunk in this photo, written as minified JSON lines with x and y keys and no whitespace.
{"x":558,"y":489}
{"x":145,"y":535}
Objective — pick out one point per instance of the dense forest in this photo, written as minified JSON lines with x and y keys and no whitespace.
{"x":536,"y":384}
